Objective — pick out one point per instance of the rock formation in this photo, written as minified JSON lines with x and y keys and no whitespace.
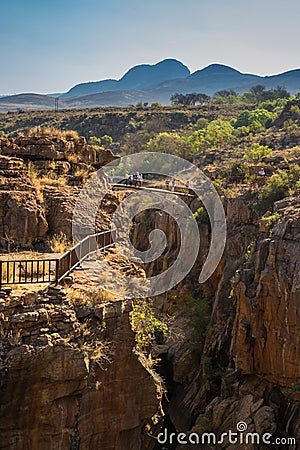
{"x":39,"y":180}
{"x":69,"y":375}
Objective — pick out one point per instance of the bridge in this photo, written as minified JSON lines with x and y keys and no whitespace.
{"x":54,"y":270}
{"x":118,"y":186}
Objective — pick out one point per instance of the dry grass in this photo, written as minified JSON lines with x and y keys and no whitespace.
{"x":40,"y":179}
{"x":13,"y":339}
{"x":99,"y":352}
{"x":88,"y":296}
{"x":68,"y":135}
{"x":82,"y":172}
{"x":51,"y":179}
{"x":72,"y":158}
{"x":36,"y":182}
{"x":59,"y":243}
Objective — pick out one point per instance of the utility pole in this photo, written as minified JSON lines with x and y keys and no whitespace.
{"x":56,"y":104}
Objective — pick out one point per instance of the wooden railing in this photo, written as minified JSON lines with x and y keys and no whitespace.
{"x":52,"y":270}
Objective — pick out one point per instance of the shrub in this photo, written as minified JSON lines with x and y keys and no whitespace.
{"x":258,"y":152}
{"x":272,"y":219}
{"x":294,"y":175}
{"x":201,"y":123}
{"x":201,"y":216}
{"x":197,"y":311}
{"x":276,"y":189}
{"x":242,"y":131}
{"x":106,"y":140}
{"x":99,"y":352}
{"x":59,"y":243}
{"x":94,"y":140}
{"x":257,"y":119}
{"x":145,"y":324}
{"x":239,"y":171}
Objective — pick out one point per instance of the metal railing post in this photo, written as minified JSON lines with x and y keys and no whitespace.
{"x":56,"y":271}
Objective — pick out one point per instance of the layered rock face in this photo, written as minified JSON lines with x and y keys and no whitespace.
{"x":40,"y":177}
{"x":55,"y":148}
{"x":249,"y":366}
{"x":266,"y":338}
{"x":257,"y":353}
{"x":22,"y":216}
{"x":70,"y":378}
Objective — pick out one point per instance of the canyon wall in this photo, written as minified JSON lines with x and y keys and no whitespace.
{"x":70,"y":377}
{"x":248,"y":368}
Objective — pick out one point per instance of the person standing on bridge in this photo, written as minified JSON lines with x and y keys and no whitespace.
{"x":187,"y":185}
{"x":167,"y":185}
{"x":111,"y":176}
{"x":140,"y":179}
{"x":173,"y":185}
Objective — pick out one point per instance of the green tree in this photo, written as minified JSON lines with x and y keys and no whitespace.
{"x":218,"y":132}
{"x":170,"y":143}
{"x":258,"y":92}
{"x":225,"y":93}
{"x":257,"y":119}
{"x":258,"y":152}
{"x":189,"y":99}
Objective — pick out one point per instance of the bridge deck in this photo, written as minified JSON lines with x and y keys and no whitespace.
{"x":153,"y":189}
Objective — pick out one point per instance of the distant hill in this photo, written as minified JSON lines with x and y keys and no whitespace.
{"x":26,"y":102}
{"x":138,"y":77}
{"x":153,"y":83}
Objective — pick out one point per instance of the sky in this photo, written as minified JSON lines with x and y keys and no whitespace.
{"x":49,"y":46}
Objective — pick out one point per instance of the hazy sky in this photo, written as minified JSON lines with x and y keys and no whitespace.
{"x":48,"y":46}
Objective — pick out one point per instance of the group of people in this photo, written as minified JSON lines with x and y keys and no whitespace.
{"x":134,"y":180}
{"x":170,"y":186}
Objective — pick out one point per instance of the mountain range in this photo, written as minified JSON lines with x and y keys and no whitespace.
{"x":152,"y":83}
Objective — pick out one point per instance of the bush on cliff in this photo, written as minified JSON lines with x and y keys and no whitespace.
{"x":276,"y":189}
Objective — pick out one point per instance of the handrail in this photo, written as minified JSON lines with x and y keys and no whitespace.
{"x":52,"y":270}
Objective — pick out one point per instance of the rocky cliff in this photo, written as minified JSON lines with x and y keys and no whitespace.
{"x":247,"y":367}
{"x":39,"y":179}
{"x":70,"y":377}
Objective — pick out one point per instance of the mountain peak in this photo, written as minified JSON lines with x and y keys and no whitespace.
{"x":216,"y":69}
{"x":145,"y":75}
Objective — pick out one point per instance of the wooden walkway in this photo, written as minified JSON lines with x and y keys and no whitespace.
{"x":52,"y":270}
